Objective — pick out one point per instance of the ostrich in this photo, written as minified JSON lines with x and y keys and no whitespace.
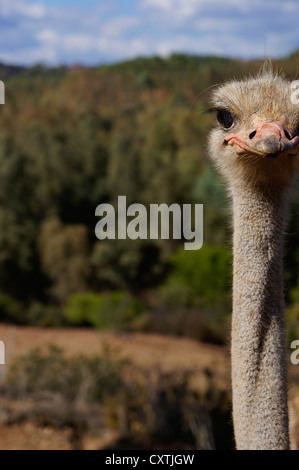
{"x":255,"y":146}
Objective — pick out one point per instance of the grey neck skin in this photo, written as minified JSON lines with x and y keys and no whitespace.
{"x":259,"y":372}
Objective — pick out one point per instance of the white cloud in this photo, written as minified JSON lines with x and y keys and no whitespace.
{"x":78,"y":42}
{"x":47,"y":36}
{"x":31,"y":56}
{"x":120,"y":25}
{"x":290,"y":6}
{"x":85,"y":43}
{"x":191,"y":7}
{"x":70,"y":42}
{"x":160,"y":4}
{"x":120,"y":49}
{"x":21,"y":8}
{"x":178,"y":9}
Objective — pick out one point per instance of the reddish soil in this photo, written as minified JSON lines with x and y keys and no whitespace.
{"x":168,"y":353}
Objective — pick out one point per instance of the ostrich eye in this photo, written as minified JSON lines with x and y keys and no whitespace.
{"x":225,"y":118}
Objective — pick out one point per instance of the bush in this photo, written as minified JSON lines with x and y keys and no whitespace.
{"x":195,"y":299}
{"x":206,"y":272}
{"x":199,"y":324}
{"x":64,"y":255}
{"x":10,"y":310}
{"x":292,"y":323}
{"x":106,"y":392}
{"x":46,"y":315}
{"x":53,"y":372}
{"x":209,"y":190}
{"x":292,"y":315}
{"x":112,"y":310}
{"x":130,"y":265}
{"x":175,"y":293}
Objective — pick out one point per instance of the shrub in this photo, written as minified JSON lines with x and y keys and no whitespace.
{"x":199,"y":324}
{"x":175,"y":293}
{"x":130,"y":265}
{"x":106,"y":392}
{"x":292,"y":315}
{"x":10,"y":310}
{"x":195,"y":299}
{"x":206,"y":272}
{"x":52,"y":371}
{"x":292,"y":323}
{"x":112,"y":310}
{"x":45,"y":315}
{"x":64,"y":255}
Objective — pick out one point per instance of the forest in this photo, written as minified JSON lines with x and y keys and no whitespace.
{"x":72,"y":138}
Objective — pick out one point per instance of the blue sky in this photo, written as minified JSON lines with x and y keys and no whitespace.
{"x":102,"y":31}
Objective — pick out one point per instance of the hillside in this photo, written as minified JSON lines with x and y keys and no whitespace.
{"x":73,"y":138}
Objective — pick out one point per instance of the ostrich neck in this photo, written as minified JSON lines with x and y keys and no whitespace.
{"x":258,"y":326}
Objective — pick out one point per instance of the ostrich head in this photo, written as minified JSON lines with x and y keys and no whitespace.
{"x":256,"y":141}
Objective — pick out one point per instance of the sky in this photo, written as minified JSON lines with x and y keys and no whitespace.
{"x":92,"y":32}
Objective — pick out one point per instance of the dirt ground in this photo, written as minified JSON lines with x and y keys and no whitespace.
{"x":168,"y":353}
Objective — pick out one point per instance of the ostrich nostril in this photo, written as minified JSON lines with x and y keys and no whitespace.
{"x":252,"y":135}
{"x":287,"y":135}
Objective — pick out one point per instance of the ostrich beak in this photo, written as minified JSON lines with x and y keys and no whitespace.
{"x":269,"y":139}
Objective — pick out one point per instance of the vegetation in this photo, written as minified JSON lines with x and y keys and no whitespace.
{"x":114,"y":310}
{"x":72,"y":138}
{"x":93,"y":395}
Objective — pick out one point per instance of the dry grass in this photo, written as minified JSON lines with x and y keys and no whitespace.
{"x":169,"y":353}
